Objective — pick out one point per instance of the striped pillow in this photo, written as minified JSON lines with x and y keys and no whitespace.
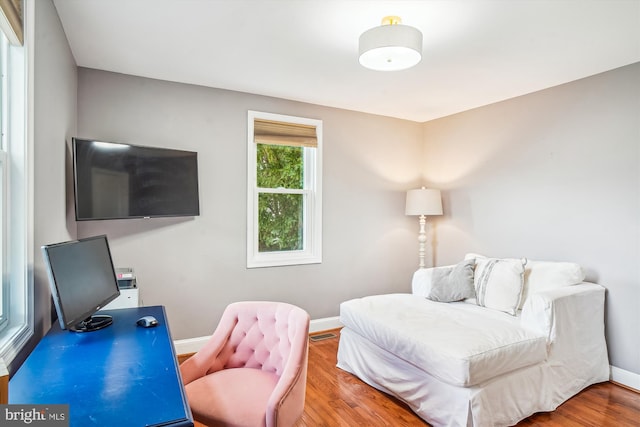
{"x":499,"y":283}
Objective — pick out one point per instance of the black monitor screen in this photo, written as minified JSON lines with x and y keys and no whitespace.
{"x":82,"y":280}
{"x":114,"y":181}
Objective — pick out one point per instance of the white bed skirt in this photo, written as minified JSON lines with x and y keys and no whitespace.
{"x":501,"y":401}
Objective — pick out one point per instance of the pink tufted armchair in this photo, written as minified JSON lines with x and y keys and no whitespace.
{"x":253,"y":370}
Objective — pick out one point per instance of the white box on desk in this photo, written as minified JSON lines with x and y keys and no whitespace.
{"x":128,"y":299}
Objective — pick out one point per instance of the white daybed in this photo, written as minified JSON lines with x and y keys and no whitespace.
{"x":465,"y":364}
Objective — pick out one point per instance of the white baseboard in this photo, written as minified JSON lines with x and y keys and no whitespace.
{"x":324,"y":324}
{"x":626,"y":378}
{"x":192,"y":345}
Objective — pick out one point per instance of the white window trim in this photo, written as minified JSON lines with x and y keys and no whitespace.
{"x":312,"y":252}
{"x":4,"y":192}
{"x":19,"y":203}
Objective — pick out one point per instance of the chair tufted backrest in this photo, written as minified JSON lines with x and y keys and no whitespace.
{"x":270,"y":336}
{"x":262,"y":335}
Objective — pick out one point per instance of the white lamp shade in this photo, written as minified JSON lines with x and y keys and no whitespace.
{"x":423,"y":201}
{"x":390,"y":47}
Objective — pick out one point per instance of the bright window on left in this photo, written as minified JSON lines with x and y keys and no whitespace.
{"x":4,"y":181}
{"x":16,"y":298}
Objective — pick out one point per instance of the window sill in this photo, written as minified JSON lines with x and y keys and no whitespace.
{"x":14,"y":340}
{"x":280,"y":260}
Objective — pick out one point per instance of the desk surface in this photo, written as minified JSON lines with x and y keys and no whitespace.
{"x":122,"y":375}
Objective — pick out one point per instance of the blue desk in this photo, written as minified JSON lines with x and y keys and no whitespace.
{"x":123,"y":375}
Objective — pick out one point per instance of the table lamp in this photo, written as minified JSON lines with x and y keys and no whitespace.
{"x":423,"y":202}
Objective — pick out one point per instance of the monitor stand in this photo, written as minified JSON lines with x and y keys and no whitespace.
{"x":93,"y":323}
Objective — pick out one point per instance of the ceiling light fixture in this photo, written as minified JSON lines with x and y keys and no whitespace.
{"x":391,"y":46}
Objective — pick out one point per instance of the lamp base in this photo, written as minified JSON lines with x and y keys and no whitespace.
{"x":422,"y":240}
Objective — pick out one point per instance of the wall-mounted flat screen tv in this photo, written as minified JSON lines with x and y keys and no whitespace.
{"x":116,"y":181}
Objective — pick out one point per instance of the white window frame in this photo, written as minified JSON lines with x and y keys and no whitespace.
{"x":311,"y":252}
{"x":4,"y":178}
{"x":17,"y":240}
{"x":4,"y":193}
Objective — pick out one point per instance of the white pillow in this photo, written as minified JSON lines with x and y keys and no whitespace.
{"x":421,"y":282}
{"x":474,"y":256}
{"x":542,"y":275}
{"x":499,"y":283}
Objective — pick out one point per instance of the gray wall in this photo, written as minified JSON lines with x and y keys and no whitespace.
{"x":55,"y":93}
{"x":553,"y":175}
{"x":196,"y":266}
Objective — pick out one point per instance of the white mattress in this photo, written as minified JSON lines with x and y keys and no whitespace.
{"x":459,"y":343}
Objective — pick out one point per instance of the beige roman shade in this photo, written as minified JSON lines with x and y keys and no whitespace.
{"x":11,"y":20}
{"x":283,"y":133}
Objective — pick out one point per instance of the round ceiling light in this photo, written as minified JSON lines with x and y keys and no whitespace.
{"x":391,"y":46}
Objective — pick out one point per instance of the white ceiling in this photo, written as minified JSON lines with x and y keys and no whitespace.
{"x":474,"y":52}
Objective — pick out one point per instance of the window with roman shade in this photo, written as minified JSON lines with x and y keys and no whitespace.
{"x":11,"y":21}
{"x":284,"y":190}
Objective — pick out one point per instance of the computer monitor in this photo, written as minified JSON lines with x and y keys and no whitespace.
{"x":82,"y":281}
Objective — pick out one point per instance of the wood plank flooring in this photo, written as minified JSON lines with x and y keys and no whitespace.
{"x":336,"y":398}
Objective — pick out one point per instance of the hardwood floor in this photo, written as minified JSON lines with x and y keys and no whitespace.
{"x":337,"y":398}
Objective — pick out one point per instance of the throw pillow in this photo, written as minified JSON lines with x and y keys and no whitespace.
{"x":541,"y":275}
{"x":472,"y":255}
{"x":453,"y":283}
{"x":421,"y":282}
{"x":499,"y":283}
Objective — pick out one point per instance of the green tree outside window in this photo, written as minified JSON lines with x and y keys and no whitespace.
{"x":280,"y":169}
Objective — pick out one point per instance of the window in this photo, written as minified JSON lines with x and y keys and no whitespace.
{"x":284,"y":202}
{"x":16,"y":299}
{"x":3,"y":232}
{"x":3,"y":175}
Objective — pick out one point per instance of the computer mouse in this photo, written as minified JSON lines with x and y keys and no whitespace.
{"x":147,"y":321}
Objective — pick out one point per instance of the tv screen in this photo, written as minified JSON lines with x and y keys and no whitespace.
{"x":116,"y":181}
{"x":82,"y":281}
